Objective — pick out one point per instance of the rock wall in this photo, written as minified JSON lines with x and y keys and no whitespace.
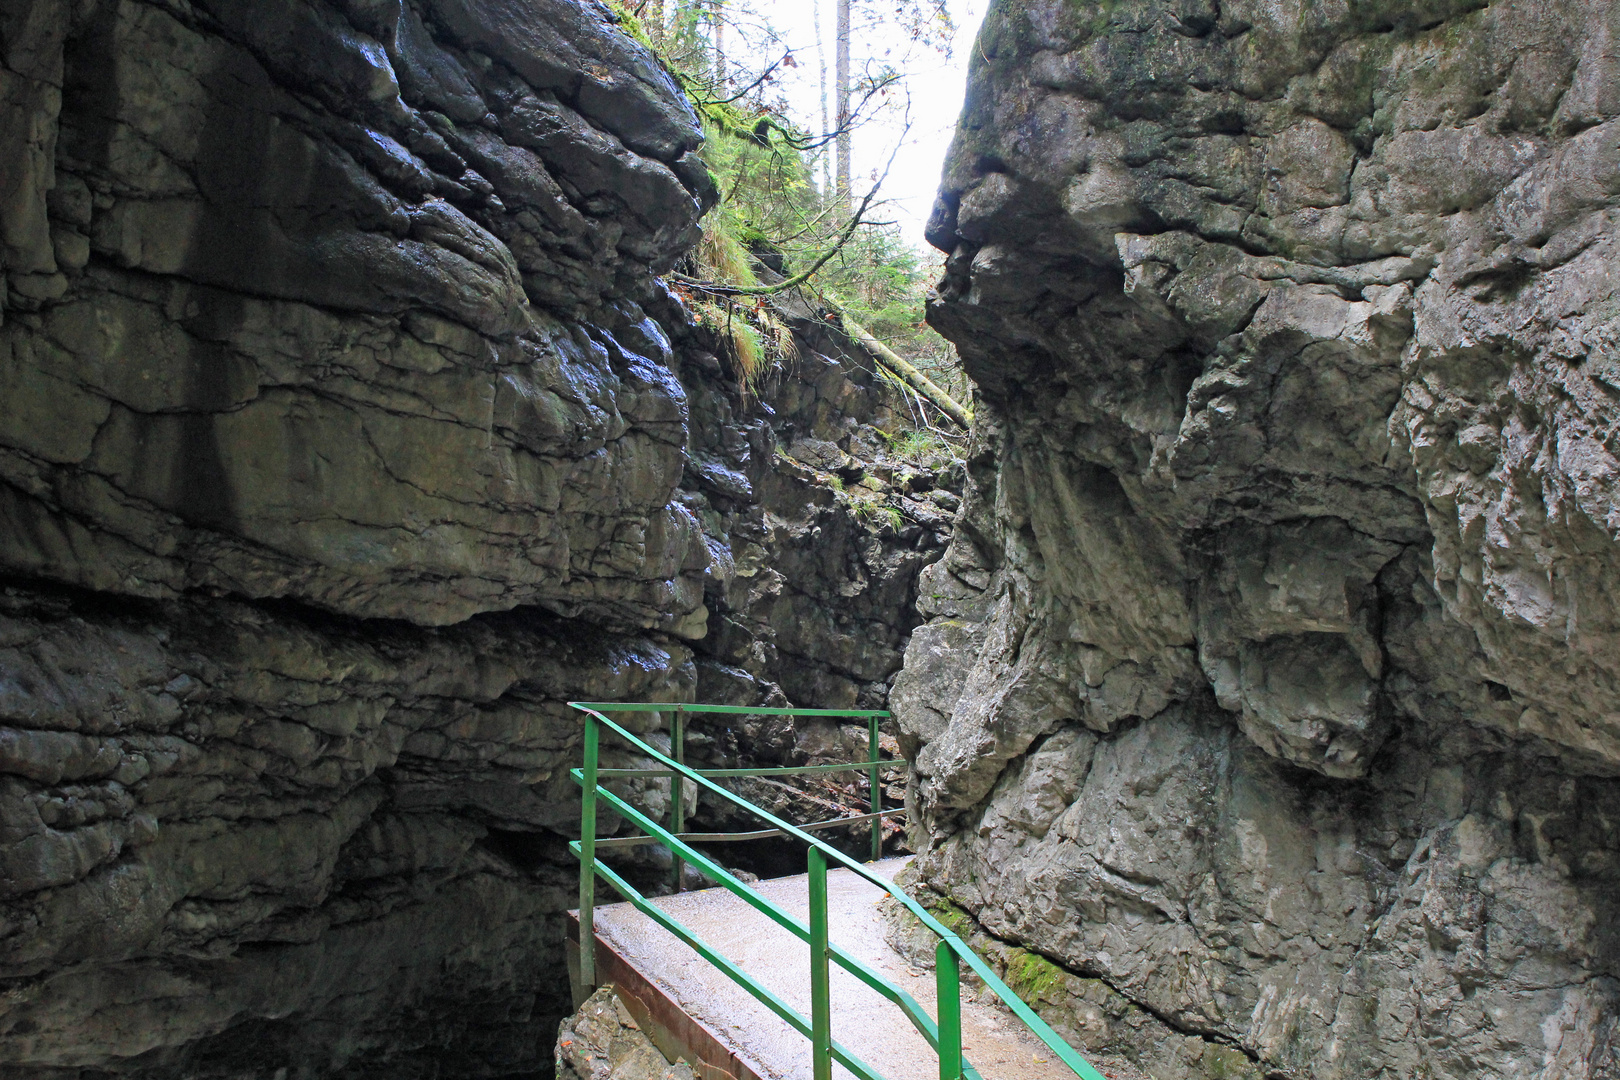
{"x":1268,"y":697}
{"x":345,"y":435}
{"x":602,"y":1041}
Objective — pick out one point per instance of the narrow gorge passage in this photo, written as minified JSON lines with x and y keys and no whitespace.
{"x":1257,"y":659}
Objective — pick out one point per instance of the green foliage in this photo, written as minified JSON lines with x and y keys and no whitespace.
{"x":764,"y":165}
{"x":721,"y":251}
{"x":954,"y":918}
{"x":883,"y":283}
{"x":630,"y":23}
{"x":874,"y":511}
{"x":752,"y":336}
{"x":1227,"y":1063}
{"x":1031,"y":976}
{"x":922,"y":447}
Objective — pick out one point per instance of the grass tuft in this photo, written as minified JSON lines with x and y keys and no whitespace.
{"x":738,"y":337}
{"x":722,"y":256}
{"x":924,"y":448}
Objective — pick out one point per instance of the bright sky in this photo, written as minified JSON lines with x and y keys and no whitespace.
{"x":934,"y":85}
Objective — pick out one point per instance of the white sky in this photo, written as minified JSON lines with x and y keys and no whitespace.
{"x":934,"y":84}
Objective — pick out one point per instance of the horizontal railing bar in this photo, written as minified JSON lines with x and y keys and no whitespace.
{"x":753,"y":899}
{"x":765,"y":815}
{"x":783,"y":770}
{"x":705,"y":865}
{"x":1042,"y":1030}
{"x":733,"y":837}
{"x":674,"y":926}
{"x":908,"y":1005}
{"x":735,"y":710}
{"x":853,"y":1064}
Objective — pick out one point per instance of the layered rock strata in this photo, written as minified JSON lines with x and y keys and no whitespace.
{"x":345,"y":435}
{"x":1269,"y":685}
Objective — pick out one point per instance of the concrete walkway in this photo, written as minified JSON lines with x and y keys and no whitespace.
{"x":874,"y":1030}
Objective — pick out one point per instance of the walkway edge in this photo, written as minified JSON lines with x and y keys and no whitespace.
{"x":676,"y":1033}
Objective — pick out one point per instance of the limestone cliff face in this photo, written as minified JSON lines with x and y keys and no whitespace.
{"x":345,"y":435}
{"x":1270,"y":687}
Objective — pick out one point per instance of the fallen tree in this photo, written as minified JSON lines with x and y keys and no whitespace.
{"x":901,"y":367}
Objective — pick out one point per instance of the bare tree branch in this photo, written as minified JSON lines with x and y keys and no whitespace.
{"x":855,"y":221}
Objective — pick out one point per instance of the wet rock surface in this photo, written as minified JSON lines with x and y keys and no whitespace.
{"x":232,"y":834}
{"x":347,"y":434}
{"x":298,"y":284}
{"x":1267,"y":683}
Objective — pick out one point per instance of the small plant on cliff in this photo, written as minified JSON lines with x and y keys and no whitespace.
{"x":752,"y":335}
{"x":925,"y":448}
{"x":872,"y":510}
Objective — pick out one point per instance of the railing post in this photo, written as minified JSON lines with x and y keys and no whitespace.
{"x":948,"y":1002}
{"x":820,"y":985}
{"x":587,"y":858}
{"x":677,"y":809}
{"x":877,"y":791}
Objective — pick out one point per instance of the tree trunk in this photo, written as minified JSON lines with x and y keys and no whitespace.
{"x":718,"y":18}
{"x":842,"y":90}
{"x":904,"y":368}
{"x":652,"y":18}
{"x":825,"y":153}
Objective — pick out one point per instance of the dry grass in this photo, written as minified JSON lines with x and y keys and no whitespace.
{"x":723,"y":256}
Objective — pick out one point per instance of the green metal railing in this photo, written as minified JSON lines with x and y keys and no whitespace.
{"x":944,"y":1037}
